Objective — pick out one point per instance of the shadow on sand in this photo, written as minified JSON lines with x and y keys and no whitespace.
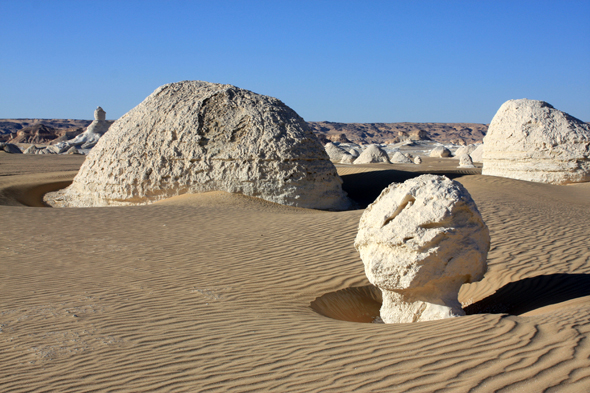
{"x":362,"y":304}
{"x":363,"y":188}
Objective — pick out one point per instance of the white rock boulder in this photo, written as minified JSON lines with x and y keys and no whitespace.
{"x":337,"y":154}
{"x":477,"y":154}
{"x":440,"y":152}
{"x":373,"y":154}
{"x":531,"y":140}
{"x":420,"y":241}
{"x":192,"y":137}
{"x":465,"y":150}
{"x":399,"y":158}
{"x":465,"y":161}
{"x":417,"y":160}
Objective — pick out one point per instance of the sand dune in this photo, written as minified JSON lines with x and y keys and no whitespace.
{"x":221,"y":292}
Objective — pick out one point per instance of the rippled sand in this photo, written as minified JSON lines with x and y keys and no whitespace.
{"x":221,"y":292}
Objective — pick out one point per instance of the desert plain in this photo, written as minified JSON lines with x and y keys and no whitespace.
{"x":220,"y":292}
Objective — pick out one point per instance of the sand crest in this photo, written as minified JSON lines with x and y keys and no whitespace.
{"x":219,"y":292}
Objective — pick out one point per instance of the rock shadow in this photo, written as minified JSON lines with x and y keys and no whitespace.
{"x":526,"y":295}
{"x":363,"y":188}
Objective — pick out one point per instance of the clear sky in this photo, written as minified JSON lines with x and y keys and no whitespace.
{"x":343,"y":61}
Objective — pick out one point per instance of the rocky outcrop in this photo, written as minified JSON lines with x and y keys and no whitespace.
{"x":337,"y":154}
{"x":420,"y":241}
{"x":399,"y":158}
{"x":465,"y":150}
{"x":465,"y":161}
{"x":417,"y":160}
{"x":440,"y":152}
{"x":531,"y":140}
{"x":477,"y":154}
{"x":11,"y":148}
{"x":93,"y":133}
{"x":373,"y":154}
{"x":194,"y":136}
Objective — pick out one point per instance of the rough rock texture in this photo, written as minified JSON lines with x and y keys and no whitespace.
{"x":337,"y":154}
{"x":440,"y":151}
{"x":94,"y":132}
{"x":194,"y":136}
{"x":477,"y":154}
{"x":417,"y":160}
{"x":420,"y":241}
{"x":399,"y":158}
{"x":530,"y":140}
{"x":465,"y":161}
{"x":371,"y":155}
{"x":347,"y":159}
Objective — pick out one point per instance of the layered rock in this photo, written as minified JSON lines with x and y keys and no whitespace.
{"x":194,"y":136}
{"x":531,"y":140}
{"x":373,"y":154}
{"x":420,"y":241}
{"x":440,"y":152}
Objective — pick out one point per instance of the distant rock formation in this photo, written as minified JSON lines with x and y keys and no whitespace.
{"x":465,"y":161}
{"x":10,"y":148}
{"x":373,"y":154}
{"x":420,"y":241}
{"x":93,"y":133}
{"x":192,"y":137}
{"x":337,"y":154}
{"x":440,"y":152}
{"x":465,"y":150}
{"x":477,"y":154}
{"x":417,"y":160}
{"x":531,"y":140}
{"x":399,"y":158}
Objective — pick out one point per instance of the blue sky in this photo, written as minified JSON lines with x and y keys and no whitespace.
{"x":344,"y":61}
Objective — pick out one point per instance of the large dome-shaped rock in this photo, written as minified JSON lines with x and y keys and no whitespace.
{"x":477,"y":154}
{"x":337,"y":154}
{"x":440,"y":152}
{"x":530,"y":140}
{"x":420,"y":241}
{"x":373,"y":154}
{"x":194,"y":136}
{"x":399,"y":158}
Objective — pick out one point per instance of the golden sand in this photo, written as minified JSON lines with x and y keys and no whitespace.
{"x":214,"y":292}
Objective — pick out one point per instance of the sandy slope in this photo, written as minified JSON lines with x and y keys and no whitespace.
{"x":212,"y":292}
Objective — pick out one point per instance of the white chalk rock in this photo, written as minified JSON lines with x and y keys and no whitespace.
{"x":477,"y":154}
{"x":465,"y":161}
{"x":417,"y":160}
{"x":530,"y":140}
{"x":337,"y":154}
{"x":373,"y":154}
{"x":399,"y":158}
{"x":93,"y":133}
{"x":420,"y":241}
{"x":465,"y":150}
{"x":192,"y":137}
{"x":440,"y":151}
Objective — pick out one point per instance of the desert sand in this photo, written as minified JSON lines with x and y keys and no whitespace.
{"x":219,"y":292}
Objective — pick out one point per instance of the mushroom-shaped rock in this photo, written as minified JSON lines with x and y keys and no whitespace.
{"x":93,"y":133}
{"x":531,"y":140}
{"x":371,"y":155}
{"x":465,"y":161}
{"x":399,"y":158}
{"x":420,"y":241}
{"x":193,"y":136}
{"x":440,"y":151}
{"x":337,"y":154}
{"x":417,"y":160}
{"x":477,"y":154}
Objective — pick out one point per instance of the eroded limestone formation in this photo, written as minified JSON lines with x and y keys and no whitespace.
{"x":194,"y":136}
{"x":337,"y":154}
{"x":465,"y":161}
{"x":531,"y":140}
{"x":420,"y":241}
{"x":93,"y":133}
{"x":440,"y":152}
{"x":373,"y":154}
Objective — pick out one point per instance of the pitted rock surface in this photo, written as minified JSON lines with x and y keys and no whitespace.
{"x":531,"y":140}
{"x":193,"y":136}
{"x":420,"y":241}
